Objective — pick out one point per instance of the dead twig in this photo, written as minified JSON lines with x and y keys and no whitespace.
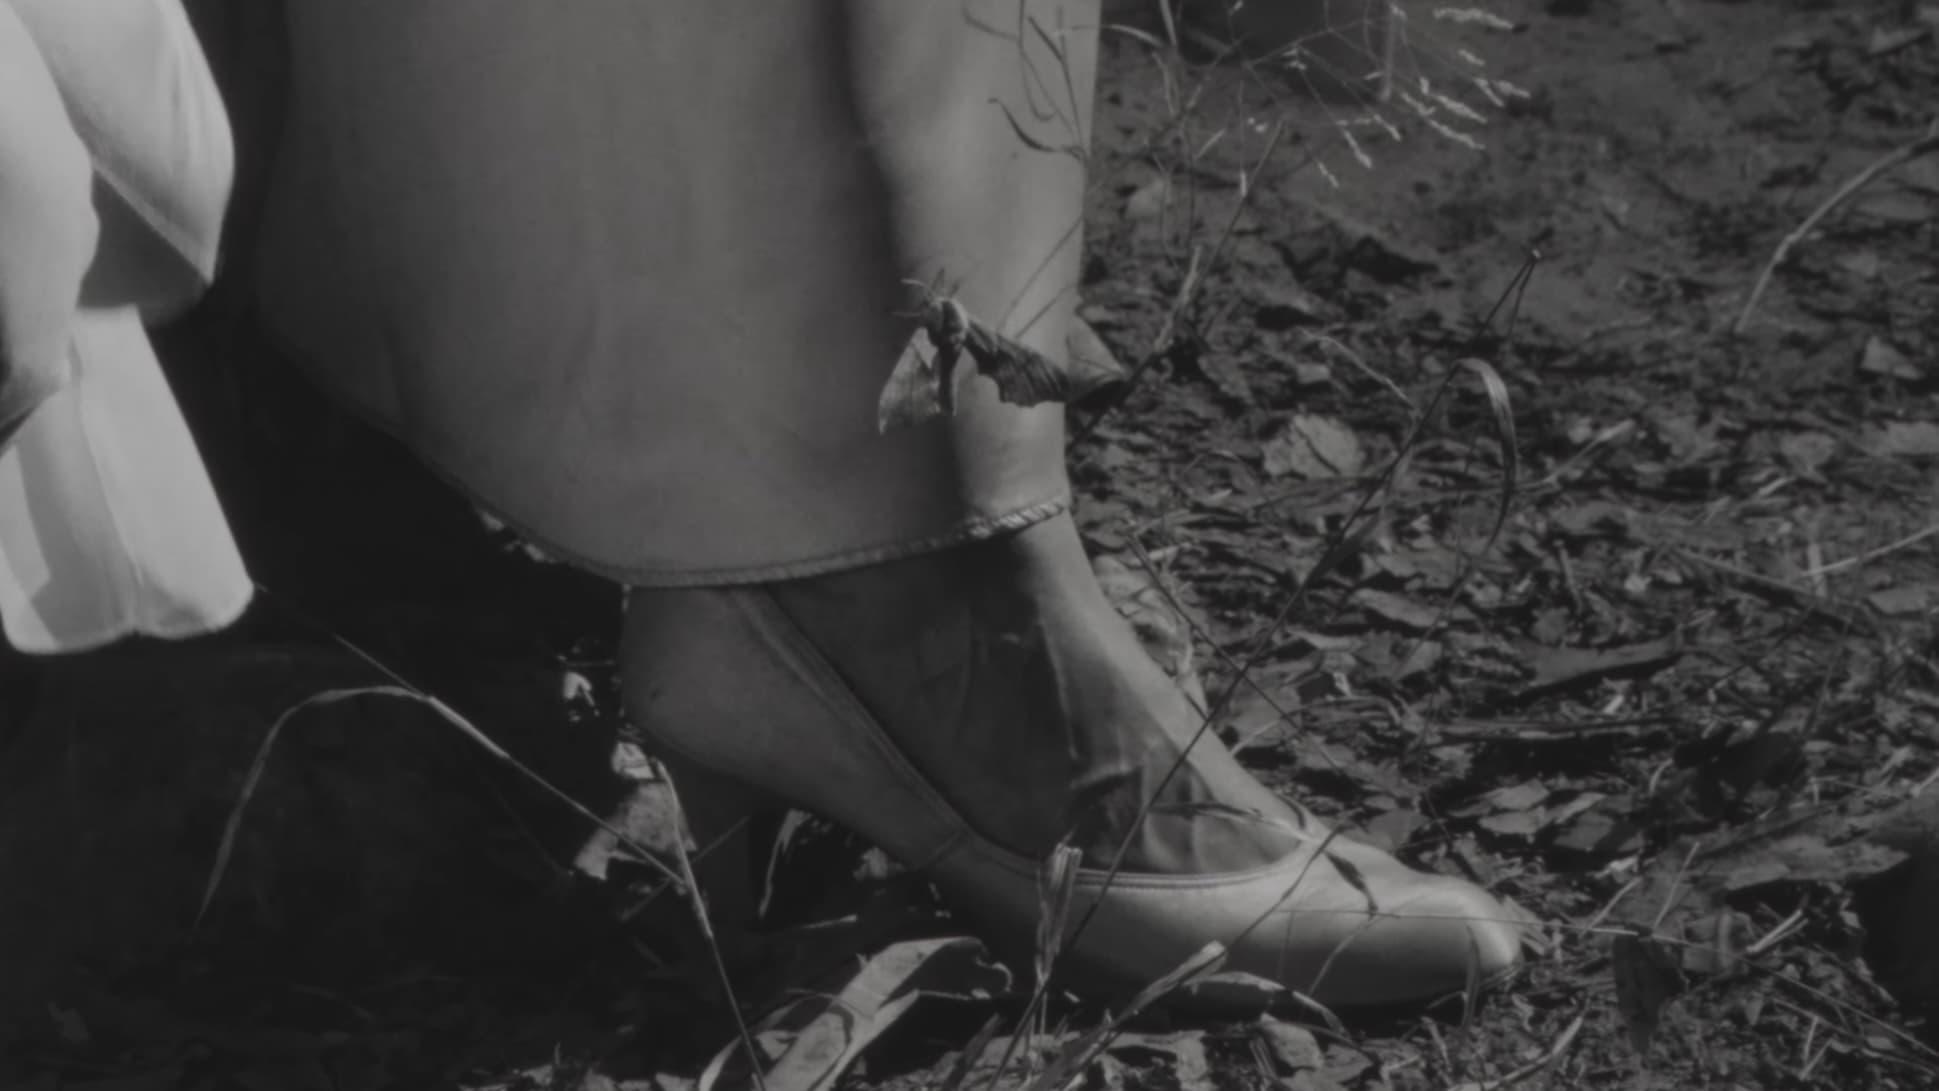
{"x":1867,"y":557}
{"x":1905,"y":153}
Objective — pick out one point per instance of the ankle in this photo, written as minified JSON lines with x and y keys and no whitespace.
{"x":1003,"y":673}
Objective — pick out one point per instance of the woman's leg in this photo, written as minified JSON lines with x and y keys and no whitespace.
{"x":971,"y":709}
{"x":974,"y":707}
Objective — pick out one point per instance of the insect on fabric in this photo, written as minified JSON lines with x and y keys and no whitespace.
{"x":923,"y":384}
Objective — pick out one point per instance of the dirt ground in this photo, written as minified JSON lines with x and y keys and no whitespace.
{"x":1677,"y":697}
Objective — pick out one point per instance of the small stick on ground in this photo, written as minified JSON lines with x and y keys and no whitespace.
{"x":1867,"y":557}
{"x":1905,"y":153}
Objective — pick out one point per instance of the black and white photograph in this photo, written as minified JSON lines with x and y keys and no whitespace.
{"x":969,"y":545}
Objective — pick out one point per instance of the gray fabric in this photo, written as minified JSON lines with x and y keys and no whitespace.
{"x":628,"y":273}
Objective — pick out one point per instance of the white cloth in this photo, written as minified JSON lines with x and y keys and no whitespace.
{"x":628,"y":271}
{"x":108,"y":524}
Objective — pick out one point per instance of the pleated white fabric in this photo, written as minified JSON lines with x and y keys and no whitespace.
{"x":109,"y":526}
{"x":47,"y":226}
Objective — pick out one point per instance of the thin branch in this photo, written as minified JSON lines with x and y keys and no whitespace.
{"x":1903,"y":154}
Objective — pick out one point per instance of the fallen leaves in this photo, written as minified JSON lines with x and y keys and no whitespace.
{"x":1525,"y":810}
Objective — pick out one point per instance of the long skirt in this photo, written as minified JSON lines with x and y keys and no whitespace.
{"x":633,"y":274}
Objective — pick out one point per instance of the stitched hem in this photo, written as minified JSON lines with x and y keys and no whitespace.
{"x":974,"y":529}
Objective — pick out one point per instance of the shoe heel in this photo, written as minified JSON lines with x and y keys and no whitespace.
{"x":727,"y":820}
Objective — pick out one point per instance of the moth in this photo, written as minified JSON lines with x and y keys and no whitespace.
{"x":923,"y":385}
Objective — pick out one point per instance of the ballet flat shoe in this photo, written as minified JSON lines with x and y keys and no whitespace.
{"x":741,"y":705}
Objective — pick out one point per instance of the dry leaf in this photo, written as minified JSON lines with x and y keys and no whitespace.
{"x":1281,"y":306}
{"x":1307,"y":373}
{"x":1901,"y":601}
{"x":1647,"y":979}
{"x":1592,"y":519}
{"x":1803,"y":857}
{"x":1148,"y":200}
{"x":1896,"y":206}
{"x":1604,"y":830}
{"x":1089,"y":351}
{"x":1516,"y":823}
{"x":1026,"y":377}
{"x":1393,"y":829}
{"x":1560,"y":668}
{"x":1805,"y":844}
{"x":1226,"y":376}
{"x":1806,"y":452}
{"x":1891,"y":40}
{"x":1399,"y":609}
{"x":1863,"y":264}
{"x":647,"y":815}
{"x":1880,"y":358}
{"x":1518,"y":797}
{"x":1315,"y":448}
{"x":1293,"y":1046}
{"x":1688,"y":441}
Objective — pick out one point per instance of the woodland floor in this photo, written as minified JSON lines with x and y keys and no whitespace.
{"x":1666,"y":701}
